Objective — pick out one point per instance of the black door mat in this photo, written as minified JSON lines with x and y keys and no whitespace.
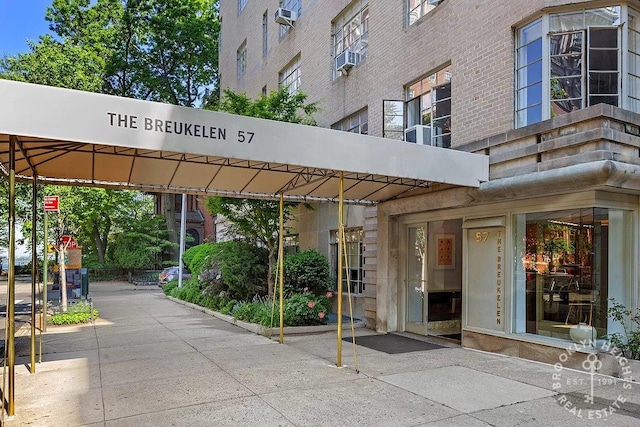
{"x":393,"y":344}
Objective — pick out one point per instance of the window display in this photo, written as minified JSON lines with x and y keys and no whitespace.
{"x":565,"y":262}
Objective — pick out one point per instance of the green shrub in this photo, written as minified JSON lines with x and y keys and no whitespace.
{"x":307,"y":271}
{"x":169,"y":287}
{"x":629,"y":343}
{"x":306,"y":309}
{"x":228,"y":307}
{"x":196,"y":256}
{"x":76,"y":313}
{"x":190,"y":291}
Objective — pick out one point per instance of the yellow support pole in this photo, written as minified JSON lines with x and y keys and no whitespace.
{"x":340,"y":249}
{"x":281,"y":267}
{"x":11,"y":294}
{"x":34,"y":271}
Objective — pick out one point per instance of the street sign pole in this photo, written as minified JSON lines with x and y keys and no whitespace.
{"x":51,"y":204}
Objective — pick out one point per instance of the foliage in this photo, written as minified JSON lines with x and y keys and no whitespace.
{"x":306,"y":309}
{"x":307,"y":271}
{"x":141,"y":246}
{"x":76,"y":313}
{"x":259,"y":220}
{"x":196,"y":256}
{"x":629,"y":343}
{"x":280,"y":105}
{"x":162,"y":50}
{"x":191,"y":290}
{"x":236,"y":267}
{"x":55,"y":63}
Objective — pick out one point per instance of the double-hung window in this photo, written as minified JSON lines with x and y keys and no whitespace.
{"x":571,"y":60}
{"x":351,"y":34}
{"x":289,"y":77}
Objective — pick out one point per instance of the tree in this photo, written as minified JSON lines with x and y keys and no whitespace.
{"x":258,"y":220}
{"x":162,"y":50}
{"x":141,"y":246}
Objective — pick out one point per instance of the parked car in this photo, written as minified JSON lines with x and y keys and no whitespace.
{"x":171,"y":273}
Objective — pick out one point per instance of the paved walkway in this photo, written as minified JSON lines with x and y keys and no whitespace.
{"x":149,"y":361}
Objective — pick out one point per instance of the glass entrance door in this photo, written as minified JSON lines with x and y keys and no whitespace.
{"x":416,"y":281}
{"x":433,"y":283}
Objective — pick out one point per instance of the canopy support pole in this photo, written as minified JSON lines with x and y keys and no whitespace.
{"x":281,"y":267}
{"x":34,"y":270}
{"x":11,"y":293}
{"x":340,"y":249}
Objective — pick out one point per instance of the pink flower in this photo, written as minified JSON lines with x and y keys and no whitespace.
{"x":311,"y":304}
{"x":329,"y":294}
{"x":306,"y":289}
{"x":321,"y":315}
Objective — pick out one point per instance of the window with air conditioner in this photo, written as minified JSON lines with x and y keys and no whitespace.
{"x":572,"y":60}
{"x":293,"y":9}
{"x":350,"y":38}
{"x":428,"y":106}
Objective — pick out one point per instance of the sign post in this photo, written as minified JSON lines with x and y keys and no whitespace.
{"x":51,"y":204}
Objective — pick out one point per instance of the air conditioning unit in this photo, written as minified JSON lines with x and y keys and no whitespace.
{"x":418,"y":134}
{"x":286,"y":16}
{"x":346,"y":60}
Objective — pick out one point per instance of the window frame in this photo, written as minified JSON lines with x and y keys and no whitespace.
{"x":427,"y":102}
{"x":241,"y":60}
{"x":387,"y":130}
{"x":357,"y":285}
{"x":241,"y":5}
{"x":358,"y":121}
{"x":421,"y":10}
{"x":619,"y":268}
{"x":585,"y":25}
{"x":265,"y":33}
{"x":293,"y":70}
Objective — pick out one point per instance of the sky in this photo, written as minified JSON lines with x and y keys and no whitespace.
{"x":21,"y":20}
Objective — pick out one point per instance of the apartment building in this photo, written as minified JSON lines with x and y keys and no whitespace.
{"x":548,"y":89}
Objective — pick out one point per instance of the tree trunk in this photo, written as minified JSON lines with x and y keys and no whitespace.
{"x":100,"y":244}
{"x":170,"y":219}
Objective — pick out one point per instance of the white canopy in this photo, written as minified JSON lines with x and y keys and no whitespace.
{"x":70,"y":137}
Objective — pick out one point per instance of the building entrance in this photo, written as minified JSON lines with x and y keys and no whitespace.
{"x":433,"y":279}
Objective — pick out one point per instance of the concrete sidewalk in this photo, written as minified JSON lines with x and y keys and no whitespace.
{"x":149,"y":361}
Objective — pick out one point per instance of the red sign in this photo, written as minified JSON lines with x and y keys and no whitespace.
{"x":51,"y":203}
{"x":68,"y":242}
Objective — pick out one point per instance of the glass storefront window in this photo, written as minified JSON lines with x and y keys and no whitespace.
{"x":566,"y":270}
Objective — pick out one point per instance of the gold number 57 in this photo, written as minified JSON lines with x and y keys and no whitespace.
{"x":482,"y":236}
